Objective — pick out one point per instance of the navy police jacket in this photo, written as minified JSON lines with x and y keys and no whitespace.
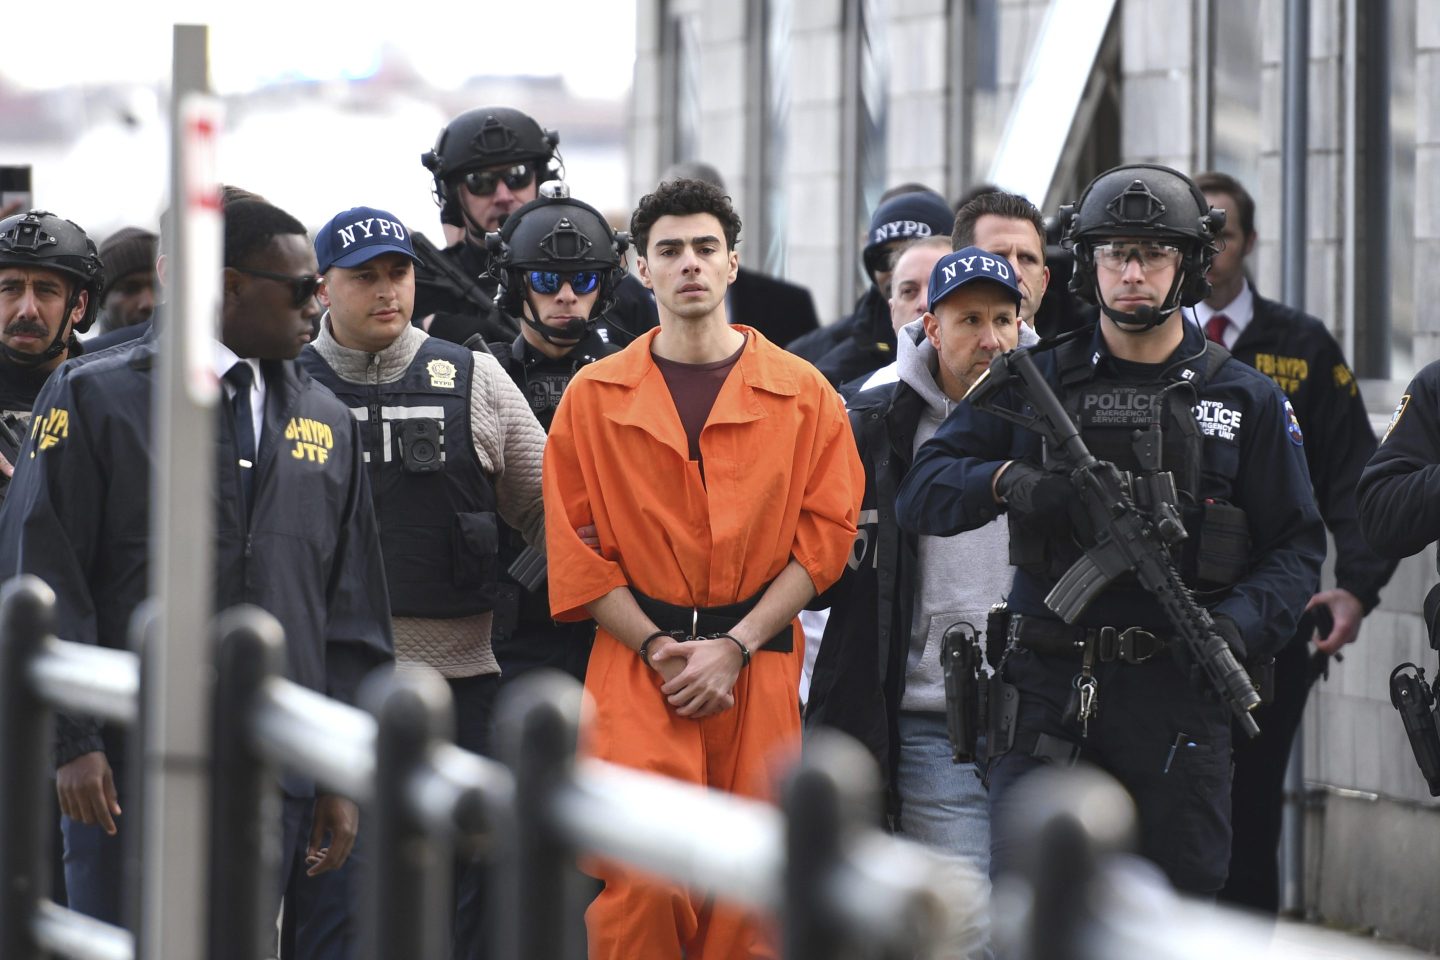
{"x":1299,"y":354}
{"x":78,"y":517}
{"x":859,"y":674}
{"x":1399,"y":491}
{"x":1252,"y":457}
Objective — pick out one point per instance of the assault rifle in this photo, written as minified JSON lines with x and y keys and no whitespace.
{"x":496,"y":324}
{"x":1126,"y":540}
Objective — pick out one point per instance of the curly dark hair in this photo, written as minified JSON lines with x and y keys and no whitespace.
{"x":681,"y":198}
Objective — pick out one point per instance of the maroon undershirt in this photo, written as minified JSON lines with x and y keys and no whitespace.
{"x":694,"y":387}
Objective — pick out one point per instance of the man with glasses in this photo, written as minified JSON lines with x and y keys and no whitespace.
{"x":451,"y":449}
{"x":294,"y":534}
{"x":1151,"y":395}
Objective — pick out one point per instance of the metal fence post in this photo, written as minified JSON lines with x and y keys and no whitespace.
{"x":27,"y":617}
{"x":834,"y":787}
{"x":1067,"y":821}
{"x":537,"y":720}
{"x":409,"y":873}
{"x":244,"y":803}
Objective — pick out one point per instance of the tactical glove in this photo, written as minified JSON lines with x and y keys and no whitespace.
{"x":1037,"y":496}
{"x":1230,"y":633}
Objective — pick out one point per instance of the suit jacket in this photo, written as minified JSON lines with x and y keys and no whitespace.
{"x":780,"y":310}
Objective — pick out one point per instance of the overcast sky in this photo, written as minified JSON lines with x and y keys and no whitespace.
{"x":253,"y":42}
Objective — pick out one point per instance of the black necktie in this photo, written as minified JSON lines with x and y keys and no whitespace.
{"x":240,"y":377}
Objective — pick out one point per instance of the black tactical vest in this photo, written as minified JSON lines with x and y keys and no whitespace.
{"x":1149,"y":430}
{"x":434,"y":504}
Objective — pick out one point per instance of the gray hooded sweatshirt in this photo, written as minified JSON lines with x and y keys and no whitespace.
{"x":960,"y":577}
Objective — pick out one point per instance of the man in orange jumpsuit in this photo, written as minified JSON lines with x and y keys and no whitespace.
{"x":720,"y":476}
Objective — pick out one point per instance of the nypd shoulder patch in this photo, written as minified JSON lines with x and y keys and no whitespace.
{"x":1292,"y":426}
{"x":1395,"y":417}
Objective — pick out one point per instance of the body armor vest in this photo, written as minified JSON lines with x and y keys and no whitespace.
{"x":1149,"y":431}
{"x":434,"y":504}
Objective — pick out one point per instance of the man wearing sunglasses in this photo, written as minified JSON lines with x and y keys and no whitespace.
{"x":1218,"y":443}
{"x":558,"y":262}
{"x":294,"y":534}
{"x":486,"y":164}
{"x":452,"y":449}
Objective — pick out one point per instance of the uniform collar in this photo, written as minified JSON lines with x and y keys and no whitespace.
{"x":649,"y":406}
{"x":1191,"y":350}
{"x":760,"y":369}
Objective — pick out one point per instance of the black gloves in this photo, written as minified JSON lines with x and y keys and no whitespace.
{"x":1230,"y":633}
{"x":1040,"y":498}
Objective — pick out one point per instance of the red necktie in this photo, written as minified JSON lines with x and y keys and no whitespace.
{"x":1215,"y":328}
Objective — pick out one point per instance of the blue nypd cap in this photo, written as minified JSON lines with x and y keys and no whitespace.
{"x":360,"y":234}
{"x":968,"y":265}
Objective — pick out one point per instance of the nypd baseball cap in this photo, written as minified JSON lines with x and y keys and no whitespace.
{"x":968,"y":265}
{"x":360,"y":234}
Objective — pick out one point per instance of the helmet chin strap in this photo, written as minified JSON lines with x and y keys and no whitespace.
{"x":574,"y":331}
{"x":1145,"y":317}
{"x":57,"y":345}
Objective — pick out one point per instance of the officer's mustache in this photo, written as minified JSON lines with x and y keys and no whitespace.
{"x":29,"y":328}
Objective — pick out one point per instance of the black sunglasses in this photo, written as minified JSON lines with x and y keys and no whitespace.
{"x":482,"y":183}
{"x":302,"y":289}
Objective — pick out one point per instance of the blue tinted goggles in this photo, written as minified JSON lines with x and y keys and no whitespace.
{"x":547,"y":281}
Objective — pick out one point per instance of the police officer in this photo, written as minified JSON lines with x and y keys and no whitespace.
{"x":867,"y":342}
{"x":1399,"y":491}
{"x":1143,"y":237}
{"x":485,"y":165}
{"x":1299,"y":354}
{"x":452,"y":447}
{"x":295,"y":534}
{"x":50,"y":282}
{"x":558,"y":263}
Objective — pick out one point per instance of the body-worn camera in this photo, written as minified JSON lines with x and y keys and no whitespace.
{"x":419,"y":442}
{"x":1416,"y":701}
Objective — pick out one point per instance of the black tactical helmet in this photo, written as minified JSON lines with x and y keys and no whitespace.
{"x":488,"y":137}
{"x":558,"y":233}
{"x":1149,"y":202}
{"x":41,"y":239}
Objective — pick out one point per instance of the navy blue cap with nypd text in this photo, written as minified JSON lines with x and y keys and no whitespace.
{"x":967,"y":265}
{"x":360,"y":234}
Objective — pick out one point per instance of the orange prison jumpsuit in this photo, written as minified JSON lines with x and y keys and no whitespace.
{"x":782,"y":480}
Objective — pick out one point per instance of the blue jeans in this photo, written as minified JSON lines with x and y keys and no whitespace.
{"x":942,"y":804}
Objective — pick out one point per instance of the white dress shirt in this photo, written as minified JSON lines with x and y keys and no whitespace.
{"x":1239,"y":312}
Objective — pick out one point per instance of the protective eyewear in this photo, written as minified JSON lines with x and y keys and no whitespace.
{"x":302,"y":289}
{"x":546,"y":281}
{"x":482,"y":183}
{"x":1151,"y":256}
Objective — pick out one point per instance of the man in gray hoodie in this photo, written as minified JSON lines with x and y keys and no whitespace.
{"x":878,"y":674}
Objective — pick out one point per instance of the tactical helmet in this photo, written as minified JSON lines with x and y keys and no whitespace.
{"x":487,"y":137}
{"x":1149,"y":202}
{"x":41,"y":239}
{"x":556,"y":232}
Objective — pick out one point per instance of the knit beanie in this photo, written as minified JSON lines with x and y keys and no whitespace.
{"x":126,"y":251}
{"x":909,"y":216}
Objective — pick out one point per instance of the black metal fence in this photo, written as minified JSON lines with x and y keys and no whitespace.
{"x":836,"y":886}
